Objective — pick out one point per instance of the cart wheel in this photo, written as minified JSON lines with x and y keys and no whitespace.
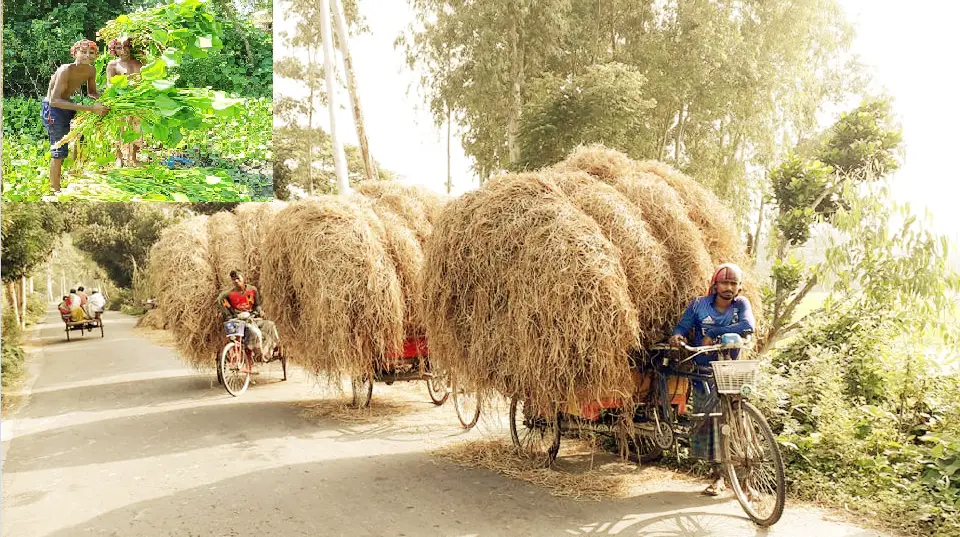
{"x":437,"y":387}
{"x":643,"y":449}
{"x":235,"y":368}
{"x":467,"y":405}
{"x":362,"y":391}
{"x":537,"y":437}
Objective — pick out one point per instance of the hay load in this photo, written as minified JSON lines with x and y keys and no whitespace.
{"x":539,"y":284}
{"x":181,"y":272}
{"x":226,"y":248}
{"x":253,"y":220}
{"x":341,"y":277}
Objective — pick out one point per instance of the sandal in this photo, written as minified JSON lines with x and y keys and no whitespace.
{"x":715,"y":489}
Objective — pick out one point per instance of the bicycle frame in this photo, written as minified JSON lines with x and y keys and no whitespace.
{"x":662,"y":373}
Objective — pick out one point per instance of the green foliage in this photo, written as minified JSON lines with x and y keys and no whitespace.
{"x":29,"y":232}
{"x":37,"y":40}
{"x":170,"y":32}
{"x":798,"y":184}
{"x":21,"y":117}
{"x":231,"y":70}
{"x":236,"y":149}
{"x":118,"y":236}
{"x":865,"y":142}
{"x":605,"y":104}
{"x":730,"y":80}
{"x":36,"y":307}
{"x":165,"y":112}
{"x":291,"y":145}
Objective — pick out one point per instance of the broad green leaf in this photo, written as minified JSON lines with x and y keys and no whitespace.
{"x":177,"y":196}
{"x":163,"y":84}
{"x":160,"y":36}
{"x":153,"y":70}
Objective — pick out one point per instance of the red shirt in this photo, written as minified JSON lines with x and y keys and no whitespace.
{"x":241,"y":300}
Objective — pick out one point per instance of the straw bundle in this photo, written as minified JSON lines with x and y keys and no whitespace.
{"x":226,"y":247}
{"x":535,"y":286}
{"x":417,"y":206}
{"x":331,"y":285}
{"x":185,"y":281}
{"x":539,"y":284}
{"x":253,"y":220}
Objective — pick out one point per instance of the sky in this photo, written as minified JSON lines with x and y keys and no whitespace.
{"x":910,"y":52}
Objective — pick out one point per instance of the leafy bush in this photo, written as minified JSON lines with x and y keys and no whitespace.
{"x":866,"y":420}
{"x":36,"y":307}
{"x":230,"y":69}
{"x":11,"y":364}
{"x":21,"y":118}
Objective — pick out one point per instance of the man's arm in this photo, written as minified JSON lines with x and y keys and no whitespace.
{"x":687,"y":322}
{"x":256,"y":302}
{"x":746,"y":323}
{"x":92,"y":83}
{"x":224,"y":305}
{"x":60,"y":88}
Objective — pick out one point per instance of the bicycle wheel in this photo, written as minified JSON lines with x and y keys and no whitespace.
{"x":468,"y":407}
{"x":235,"y":368}
{"x":437,"y":387}
{"x":362,"y":391}
{"x":537,"y":437}
{"x":753,"y":463}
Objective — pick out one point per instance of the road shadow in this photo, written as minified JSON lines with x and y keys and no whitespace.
{"x":150,"y":392}
{"x":156,"y":434}
{"x":402,"y":495}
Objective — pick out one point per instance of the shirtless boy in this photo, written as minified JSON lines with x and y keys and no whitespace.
{"x":58,"y":110}
{"x":125,"y":64}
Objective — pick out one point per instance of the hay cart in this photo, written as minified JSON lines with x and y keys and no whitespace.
{"x":748,"y":450}
{"x":410,"y":363}
{"x":88,"y":325}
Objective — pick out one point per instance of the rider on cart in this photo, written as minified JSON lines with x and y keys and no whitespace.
{"x":242,"y":301}
{"x":722,"y":311}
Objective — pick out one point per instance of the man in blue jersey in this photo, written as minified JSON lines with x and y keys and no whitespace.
{"x":722,"y":311}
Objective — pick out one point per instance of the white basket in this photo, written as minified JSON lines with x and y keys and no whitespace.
{"x":733,"y":375}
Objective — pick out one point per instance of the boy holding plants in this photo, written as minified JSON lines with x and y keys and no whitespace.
{"x":58,"y":109}
{"x":125,"y":64}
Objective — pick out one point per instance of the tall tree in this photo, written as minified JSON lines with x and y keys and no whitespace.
{"x":862,"y":147}
{"x":730,"y":80}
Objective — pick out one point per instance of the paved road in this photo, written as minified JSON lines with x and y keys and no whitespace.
{"x":117,"y":438}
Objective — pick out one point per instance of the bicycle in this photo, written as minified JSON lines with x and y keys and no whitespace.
{"x":235,"y":365}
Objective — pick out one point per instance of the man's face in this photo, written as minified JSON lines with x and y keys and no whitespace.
{"x":238,"y":281}
{"x":85,"y":55}
{"x":123,"y":51}
{"x":728,"y":290}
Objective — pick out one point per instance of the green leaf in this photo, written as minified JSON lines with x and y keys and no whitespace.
{"x":213,"y":179}
{"x":118,"y":81}
{"x":177,"y":196}
{"x":123,"y":19}
{"x":205,"y":41}
{"x":154,"y":70}
{"x":163,"y":84}
{"x":160,"y":36}
{"x":167,"y":106}
{"x":129,"y":136}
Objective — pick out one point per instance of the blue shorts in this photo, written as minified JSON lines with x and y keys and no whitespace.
{"x":57,"y":122}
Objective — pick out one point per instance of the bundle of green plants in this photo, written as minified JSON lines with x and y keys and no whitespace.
{"x":162,"y":110}
{"x":168,"y":31}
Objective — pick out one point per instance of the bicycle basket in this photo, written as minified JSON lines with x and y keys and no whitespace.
{"x":735,"y":376}
{"x":234,"y":327}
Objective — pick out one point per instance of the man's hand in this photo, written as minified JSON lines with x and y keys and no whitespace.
{"x":100,"y":109}
{"x":676,"y":340}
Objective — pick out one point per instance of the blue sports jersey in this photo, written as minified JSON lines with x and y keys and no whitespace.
{"x":705,"y":321}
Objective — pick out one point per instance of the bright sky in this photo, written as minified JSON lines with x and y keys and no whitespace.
{"x":912,"y":53}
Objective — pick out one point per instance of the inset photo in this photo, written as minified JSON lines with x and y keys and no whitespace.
{"x":138,"y":101}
